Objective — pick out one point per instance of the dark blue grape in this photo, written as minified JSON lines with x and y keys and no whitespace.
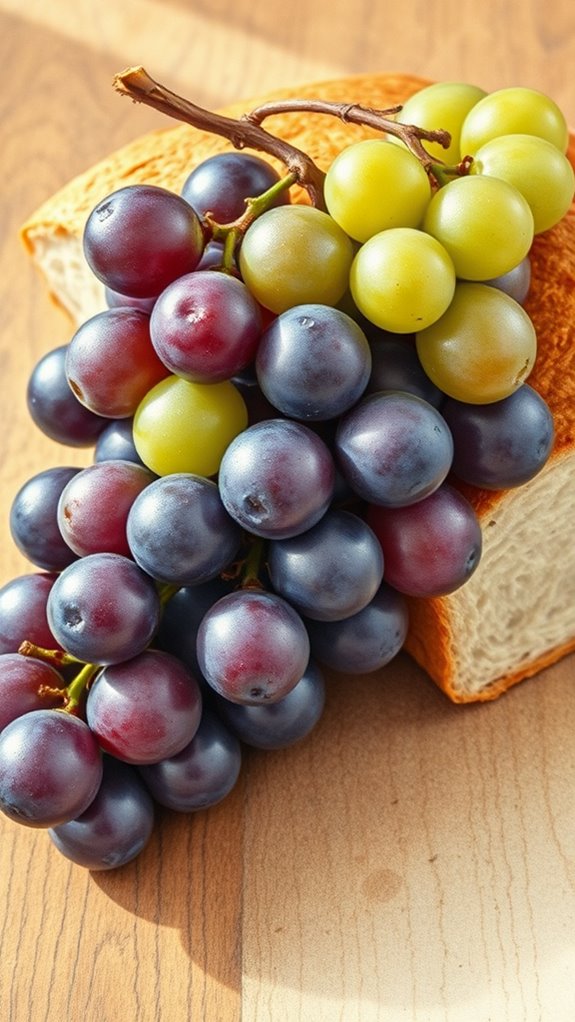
{"x":115,"y":827}
{"x":116,"y":442}
{"x":54,"y":407}
{"x":23,"y":603}
{"x":182,"y":617}
{"x":331,"y":571}
{"x":313,"y":362}
{"x":393,"y":448}
{"x":200,"y":775}
{"x":221,"y":184}
{"x":180,"y":532}
{"x":277,"y":725}
{"x":395,"y":366}
{"x":368,"y":640}
{"x":503,"y":444}
{"x":34,"y":519}
{"x":277,"y":478}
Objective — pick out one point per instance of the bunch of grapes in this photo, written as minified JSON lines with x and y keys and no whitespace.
{"x":280,"y":407}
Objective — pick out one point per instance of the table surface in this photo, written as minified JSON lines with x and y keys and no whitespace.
{"x":411,"y":860}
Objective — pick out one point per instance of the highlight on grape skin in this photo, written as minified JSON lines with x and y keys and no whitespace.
{"x":283,"y":399}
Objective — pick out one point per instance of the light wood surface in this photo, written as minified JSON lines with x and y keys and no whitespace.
{"x":411,"y":860}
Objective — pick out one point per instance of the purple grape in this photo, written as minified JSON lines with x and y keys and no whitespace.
{"x":200,"y":775}
{"x":111,"y":363}
{"x":221,"y":184}
{"x":140,"y":238}
{"x":103,"y":609}
{"x":515,"y":282}
{"x":182,"y":617}
{"x":114,"y":300}
{"x":206,"y":327}
{"x":313,"y":362}
{"x":394,"y":448}
{"x":145,"y":709}
{"x":21,"y":681}
{"x":23,"y":616}
{"x":331,"y":571}
{"x":54,"y":407}
{"x":252,"y":647}
{"x":366,"y":641}
{"x":277,"y":478}
{"x":179,"y":531}
{"x":277,"y":725}
{"x":34,"y":519}
{"x":115,"y":827}
{"x":116,"y":442}
{"x":503,"y":444}
{"x":430,"y":548}
{"x":396,"y":366}
{"x":94,"y":506}
{"x":50,"y":768}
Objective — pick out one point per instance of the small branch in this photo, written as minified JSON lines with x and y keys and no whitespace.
{"x":138,"y":84}
{"x":352,"y":113}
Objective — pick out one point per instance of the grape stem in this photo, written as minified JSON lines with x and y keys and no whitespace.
{"x":77,"y":686}
{"x":51,"y":656}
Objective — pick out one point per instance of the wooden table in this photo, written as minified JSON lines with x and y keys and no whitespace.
{"x":412,"y":860}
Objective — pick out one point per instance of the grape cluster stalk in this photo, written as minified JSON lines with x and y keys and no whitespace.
{"x":282,"y":400}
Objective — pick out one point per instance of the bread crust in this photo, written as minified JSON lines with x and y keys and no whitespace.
{"x":165,"y":158}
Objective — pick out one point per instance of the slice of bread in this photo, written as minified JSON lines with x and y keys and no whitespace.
{"x":516,"y":615}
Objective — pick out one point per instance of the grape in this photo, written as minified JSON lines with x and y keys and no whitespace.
{"x":280,"y":724}
{"x":442,"y":105}
{"x":103,"y":609}
{"x":182,"y":426}
{"x":294,"y":255}
{"x":393,"y":448}
{"x":116,"y":442}
{"x":115,"y":827}
{"x":114,"y":300}
{"x":94,"y":505}
{"x":54,"y":407}
{"x":277,"y":478}
{"x":313,"y":362}
{"x":252,"y":647}
{"x":140,"y":238}
{"x":374,"y":185}
{"x":179,"y":531}
{"x":23,"y":612}
{"x":200,"y":775}
{"x":21,"y":678}
{"x":182,"y":617}
{"x":331,"y":571}
{"x":50,"y":768}
{"x":536,"y":168}
{"x":515,"y":282}
{"x":482,"y":349}
{"x":402,"y":279}
{"x":111,"y":363}
{"x":221,"y":184}
{"x":368,"y":640}
{"x":503,"y":444}
{"x":145,"y":709}
{"x":395,"y":366}
{"x":34,"y":519}
{"x":512,"y":111}
{"x":430,"y":548}
{"x":484,"y":223}
{"x":206,"y":327}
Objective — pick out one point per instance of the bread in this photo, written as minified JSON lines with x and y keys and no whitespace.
{"x":516,"y":614}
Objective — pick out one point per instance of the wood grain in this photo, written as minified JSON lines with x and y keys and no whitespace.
{"x":411,"y":860}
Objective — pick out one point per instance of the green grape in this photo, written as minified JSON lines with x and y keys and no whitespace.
{"x":181,"y":426}
{"x":402,"y":280}
{"x":373,"y":185}
{"x":293,"y":255}
{"x":484,"y":223}
{"x":514,"y":111}
{"x":536,"y":168}
{"x":441,"y":105}
{"x":482,"y":348}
